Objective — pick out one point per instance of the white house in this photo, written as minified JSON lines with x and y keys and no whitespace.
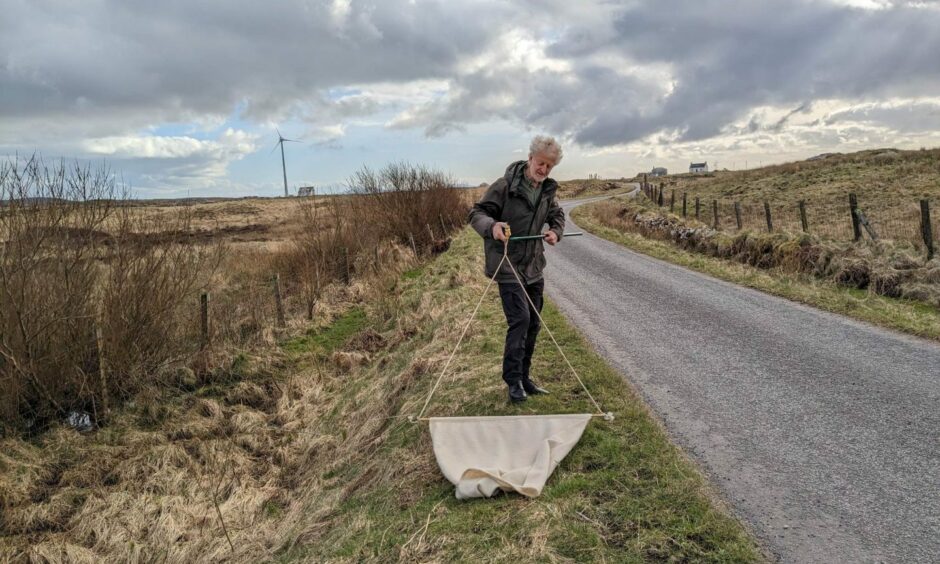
{"x":698,"y":168}
{"x":307,"y":191}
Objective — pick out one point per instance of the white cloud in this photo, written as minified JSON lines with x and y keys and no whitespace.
{"x":231,"y":144}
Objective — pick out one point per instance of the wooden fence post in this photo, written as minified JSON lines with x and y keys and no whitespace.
{"x":413,"y":246}
{"x":347,"y":276}
{"x":803,"y":221}
{"x":715,"y":212}
{"x":853,"y":209}
{"x":646,"y":187}
{"x":443,"y":227}
{"x":204,"y":306}
{"x":865,"y":223}
{"x":926,"y":228}
{"x":102,"y":371}
{"x":683,"y":204}
{"x":770,"y":223}
{"x":698,"y":207}
{"x":737,"y":214}
{"x":660,"y":199}
{"x":672,"y":200}
{"x":278,"y":305}
{"x":376,"y":252}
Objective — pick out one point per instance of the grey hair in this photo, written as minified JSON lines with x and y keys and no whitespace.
{"x":547,"y":145}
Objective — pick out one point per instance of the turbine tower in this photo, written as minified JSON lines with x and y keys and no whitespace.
{"x":280,"y":141}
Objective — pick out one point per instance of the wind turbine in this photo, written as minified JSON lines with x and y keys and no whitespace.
{"x":280,"y":141}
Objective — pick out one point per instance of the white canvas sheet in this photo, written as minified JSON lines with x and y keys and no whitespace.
{"x":481,"y":455}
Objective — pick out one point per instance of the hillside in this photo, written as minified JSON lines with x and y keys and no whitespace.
{"x":889,"y":184}
{"x":885,"y":277}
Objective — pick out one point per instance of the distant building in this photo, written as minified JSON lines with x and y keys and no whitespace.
{"x":698,"y":168}
{"x":307,"y":191}
{"x":659,"y":171}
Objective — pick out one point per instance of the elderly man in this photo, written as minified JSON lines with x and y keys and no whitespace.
{"x":522,"y":200}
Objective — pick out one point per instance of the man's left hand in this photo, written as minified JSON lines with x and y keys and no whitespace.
{"x":550,"y":237}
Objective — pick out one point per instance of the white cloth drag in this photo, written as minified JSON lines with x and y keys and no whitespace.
{"x":481,"y":455}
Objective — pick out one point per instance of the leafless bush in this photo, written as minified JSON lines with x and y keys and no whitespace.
{"x":341,"y":235}
{"x":403,"y":200}
{"x":88,"y":311}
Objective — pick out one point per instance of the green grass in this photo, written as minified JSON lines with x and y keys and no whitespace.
{"x":916,"y":318}
{"x":624,"y":494}
{"x":329,"y":338}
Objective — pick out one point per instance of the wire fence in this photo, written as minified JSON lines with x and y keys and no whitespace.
{"x":848,"y":220}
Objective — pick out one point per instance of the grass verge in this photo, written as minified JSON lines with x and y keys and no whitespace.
{"x":624,"y":494}
{"x":908,"y":316}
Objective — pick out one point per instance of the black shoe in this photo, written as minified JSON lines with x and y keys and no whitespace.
{"x":532,"y":388}
{"x":517,"y":393}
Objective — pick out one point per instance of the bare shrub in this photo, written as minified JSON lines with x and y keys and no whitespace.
{"x":344,"y":236}
{"x":88,"y":311}
{"x":403,"y":200}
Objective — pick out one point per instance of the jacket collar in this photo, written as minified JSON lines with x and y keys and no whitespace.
{"x":513,"y":178}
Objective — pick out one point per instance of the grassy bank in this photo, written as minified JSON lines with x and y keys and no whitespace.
{"x":308,"y":455}
{"x":889,"y":185}
{"x":624,"y":494}
{"x":910,"y":316}
{"x":571,"y":189}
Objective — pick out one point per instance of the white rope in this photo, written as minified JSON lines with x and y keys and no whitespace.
{"x":467,"y":326}
{"x":607,"y":416}
{"x":536,"y":310}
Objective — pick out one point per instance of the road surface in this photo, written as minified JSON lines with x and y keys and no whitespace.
{"x":822,"y":432}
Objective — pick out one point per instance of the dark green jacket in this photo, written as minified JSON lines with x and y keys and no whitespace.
{"x":505,"y":201}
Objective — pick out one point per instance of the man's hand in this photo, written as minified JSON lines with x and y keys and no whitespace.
{"x":499,"y":232}
{"x":551,"y":237}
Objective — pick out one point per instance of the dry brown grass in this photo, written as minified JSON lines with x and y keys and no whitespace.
{"x":171,"y":469}
{"x":152,"y":484}
{"x":884,"y":267}
{"x":889,"y":184}
{"x":307,"y":455}
{"x":76,"y":256}
{"x":89,"y":314}
{"x":570,"y":189}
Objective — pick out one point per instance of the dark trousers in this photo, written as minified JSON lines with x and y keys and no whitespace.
{"x":523,"y":328}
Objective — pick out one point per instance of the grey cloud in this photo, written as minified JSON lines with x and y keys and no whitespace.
{"x":726,"y":58}
{"x":732,"y":56}
{"x":905,"y":118}
{"x":170,"y":61}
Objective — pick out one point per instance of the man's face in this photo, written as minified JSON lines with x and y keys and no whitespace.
{"x":540,"y":166}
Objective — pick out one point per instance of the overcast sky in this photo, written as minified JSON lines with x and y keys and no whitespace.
{"x":184,"y":97}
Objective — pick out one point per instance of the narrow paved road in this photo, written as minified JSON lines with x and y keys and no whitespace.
{"x":822,"y":432}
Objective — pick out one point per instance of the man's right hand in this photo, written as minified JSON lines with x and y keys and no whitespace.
{"x":499,"y":232}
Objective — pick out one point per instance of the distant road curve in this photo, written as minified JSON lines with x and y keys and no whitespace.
{"x":822,"y":432}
